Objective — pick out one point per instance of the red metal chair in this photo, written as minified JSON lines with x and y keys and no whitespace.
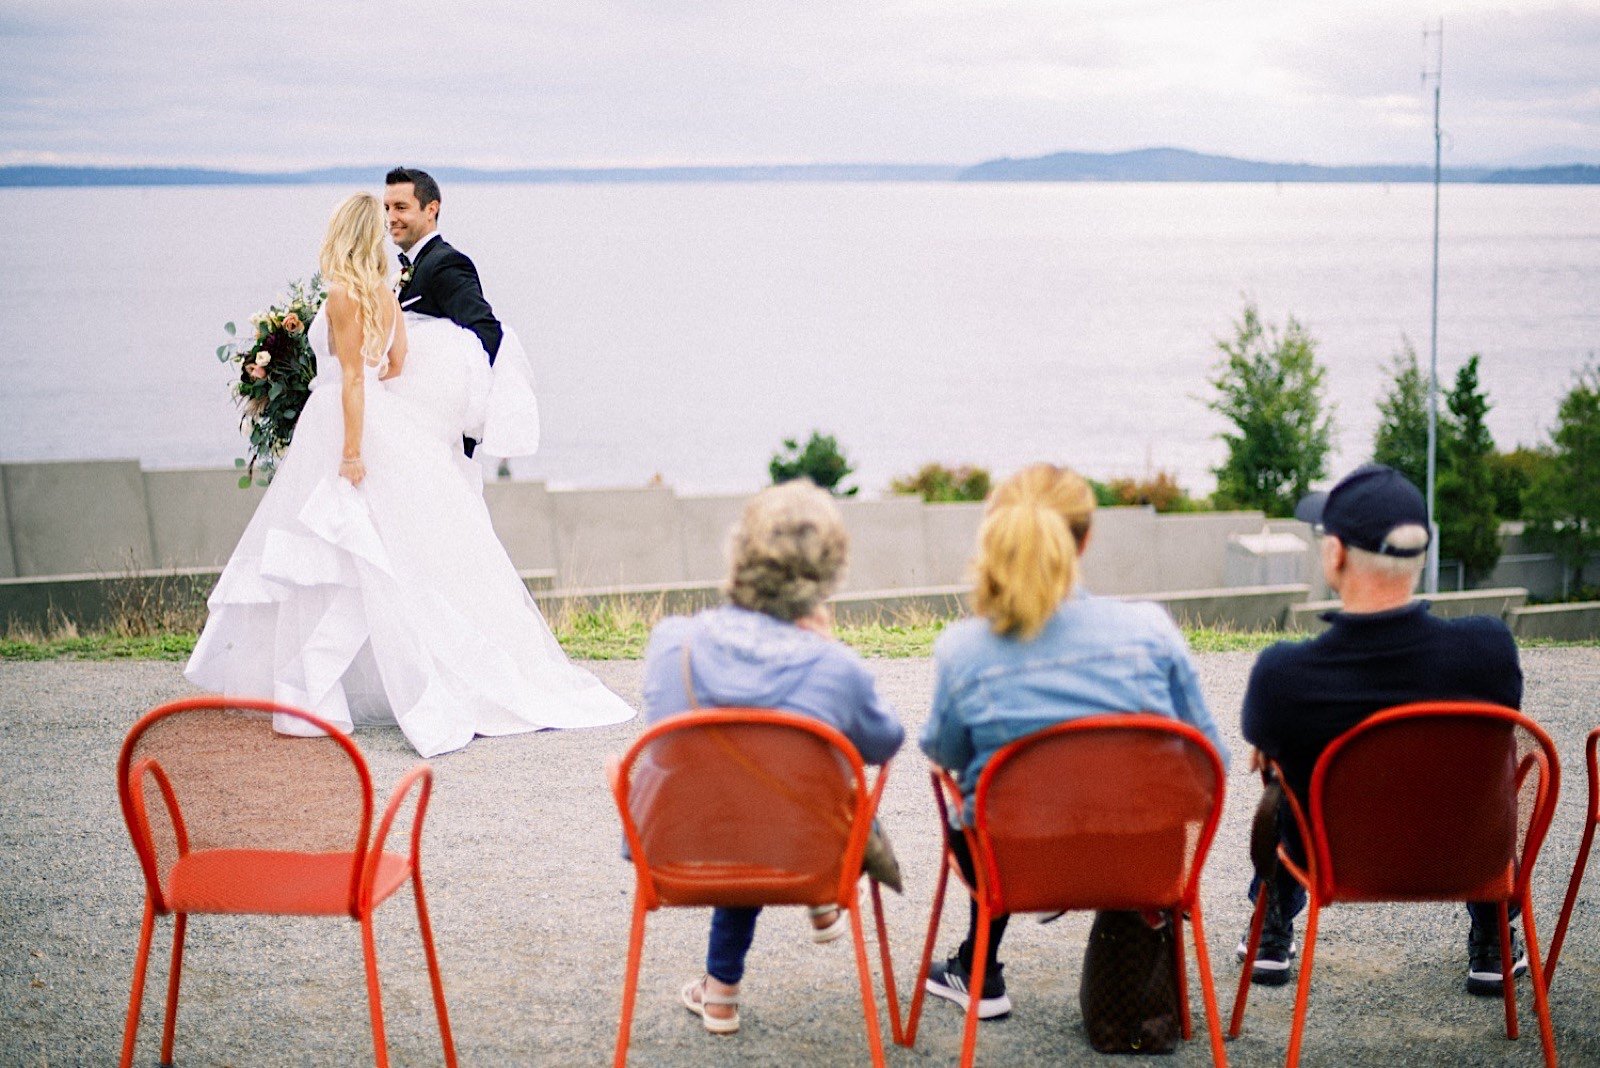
{"x":228,"y":816}
{"x":739,"y":807}
{"x":1434,"y":801}
{"x":1105,"y":812}
{"x":1582,"y":860}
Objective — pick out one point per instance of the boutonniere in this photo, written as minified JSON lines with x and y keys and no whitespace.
{"x":405,"y":276}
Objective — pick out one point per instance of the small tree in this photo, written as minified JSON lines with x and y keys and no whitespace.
{"x":1270,"y":387}
{"x":1563,"y":505}
{"x":820,"y":460}
{"x":1469,"y":530}
{"x":1401,"y":441}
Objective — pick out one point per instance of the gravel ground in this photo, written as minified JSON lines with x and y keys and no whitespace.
{"x":530,"y":905}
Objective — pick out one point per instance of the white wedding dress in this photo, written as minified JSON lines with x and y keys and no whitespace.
{"x":393,"y":601}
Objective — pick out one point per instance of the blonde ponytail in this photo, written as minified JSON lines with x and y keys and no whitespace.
{"x":1028,"y":547}
{"x":352,"y":256}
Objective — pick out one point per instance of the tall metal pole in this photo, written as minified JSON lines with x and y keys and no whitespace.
{"x":1431,"y":582}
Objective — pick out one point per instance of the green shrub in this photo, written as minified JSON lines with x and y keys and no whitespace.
{"x":1161,"y":491}
{"x":820,"y":460}
{"x":936,"y":482}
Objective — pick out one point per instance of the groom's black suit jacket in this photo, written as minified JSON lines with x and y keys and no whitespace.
{"x":444,"y":284}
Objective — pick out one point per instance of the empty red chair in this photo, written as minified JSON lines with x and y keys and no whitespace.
{"x":739,"y":807}
{"x":1434,"y":801}
{"x":229,"y":816}
{"x":1104,"y":812}
{"x":1592,"y":817}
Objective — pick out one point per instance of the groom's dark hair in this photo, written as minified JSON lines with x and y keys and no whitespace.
{"x":422,"y":182}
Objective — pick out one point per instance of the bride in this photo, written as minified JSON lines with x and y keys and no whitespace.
{"x":369,"y":586}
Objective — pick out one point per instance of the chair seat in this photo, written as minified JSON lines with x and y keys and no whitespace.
{"x":274,"y":882}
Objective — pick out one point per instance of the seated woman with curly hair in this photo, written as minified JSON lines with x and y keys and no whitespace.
{"x":771,"y":646}
{"x":1044,"y":652}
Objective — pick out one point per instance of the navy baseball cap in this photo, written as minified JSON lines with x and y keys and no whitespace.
{"x":1367,"y":506}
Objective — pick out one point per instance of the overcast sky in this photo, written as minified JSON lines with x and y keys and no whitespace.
{"x":299,"y":83}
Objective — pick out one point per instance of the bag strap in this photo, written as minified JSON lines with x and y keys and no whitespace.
{"x":688,"y":676}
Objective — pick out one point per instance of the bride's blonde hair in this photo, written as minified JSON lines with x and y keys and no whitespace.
{"x":352,"y":256}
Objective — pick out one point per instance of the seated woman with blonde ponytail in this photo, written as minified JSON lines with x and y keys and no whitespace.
{"x":1044,"y":651}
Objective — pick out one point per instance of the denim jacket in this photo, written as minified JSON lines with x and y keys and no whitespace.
{"x":1095,"y":655}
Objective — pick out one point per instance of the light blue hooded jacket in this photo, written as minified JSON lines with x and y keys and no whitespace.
{"x":1094,"y":656}
{"x":744,"y":658}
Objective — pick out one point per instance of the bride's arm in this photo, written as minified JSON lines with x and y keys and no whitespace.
{"x":344,"y":328}
{"x":397,"y":348}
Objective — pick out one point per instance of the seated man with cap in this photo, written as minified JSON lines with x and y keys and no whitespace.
{"x":1382,"y":648}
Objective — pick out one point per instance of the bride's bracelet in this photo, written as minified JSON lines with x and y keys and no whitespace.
{"x":351,"y":460}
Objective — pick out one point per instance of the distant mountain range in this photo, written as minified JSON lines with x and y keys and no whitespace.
{"x":1142,"y":165}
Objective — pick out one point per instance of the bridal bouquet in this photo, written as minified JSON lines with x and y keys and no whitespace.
{"x":276,"y":366}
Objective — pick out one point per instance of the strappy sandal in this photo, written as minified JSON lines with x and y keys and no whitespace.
{"x":697,"y":1005}
{"x":835,"y":930}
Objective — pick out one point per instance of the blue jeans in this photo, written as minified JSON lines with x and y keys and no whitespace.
{"x":732,"y":931}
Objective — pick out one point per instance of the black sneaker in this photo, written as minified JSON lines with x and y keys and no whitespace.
{"x":1276,"y":951}
{"x":1485,"y":975}
{"x":949,"y":981}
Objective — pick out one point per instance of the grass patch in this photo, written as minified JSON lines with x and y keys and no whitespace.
{"x":172,"y":646}
{"x":620,"y":631}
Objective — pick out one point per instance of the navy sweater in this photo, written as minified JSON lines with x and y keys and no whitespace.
{"x":1303,"y":695}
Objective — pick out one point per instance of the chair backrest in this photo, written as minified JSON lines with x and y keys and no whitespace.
{"x":1105,"y":812}
{"x":743,"y":806}
{"x":211,"y":773}
{"x":1434,"y":801}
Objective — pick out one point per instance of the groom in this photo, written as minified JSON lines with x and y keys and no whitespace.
{"x":435,"y":279}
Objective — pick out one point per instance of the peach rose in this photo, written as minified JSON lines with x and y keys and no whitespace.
{"x":292,"y":323}
{"x":257,"y":372}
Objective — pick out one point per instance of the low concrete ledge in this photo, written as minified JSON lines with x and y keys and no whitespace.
{"x":1234,"y":608}
{"x":1562,"y":622}
{"x":1500,"y":603}
{"x":899,"y":606}
{"x":158,"y":600}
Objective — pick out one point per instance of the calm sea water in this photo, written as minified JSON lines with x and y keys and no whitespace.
{"x":684,"y":330}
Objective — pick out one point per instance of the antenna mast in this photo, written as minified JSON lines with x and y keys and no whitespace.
{"x":1431,"y":581}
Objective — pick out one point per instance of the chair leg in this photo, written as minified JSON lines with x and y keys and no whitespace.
{"x":891,"y":992}
{"x":908,"y":1036}
{"x":169,"y":1030}
{"x":1208,"y":991}
{"x":1578,"y":866}
{"x":130,"y":1032}
{"x":630,"y":981}
{"x":1252,"y":945}
{"x":1541,"y":994}
{"x":369,"y":949}
{"x":1180,"y":975}
{"x":869,"y":1003}
{"x":1508,"y":985}
{"x":980,"y":960}
{"x":434,"y":978}
{"x":1302,"y":996}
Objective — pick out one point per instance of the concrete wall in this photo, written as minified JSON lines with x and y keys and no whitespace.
{"x":110,"y":517}
{"x":617,"y":537}
{"x":196,"y":517}
{"x":524,"y":519}
{"x":70,"y":517}
{"x":8,"y":562}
